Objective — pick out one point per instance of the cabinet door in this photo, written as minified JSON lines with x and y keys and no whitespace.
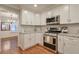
{"x":21,"y":40}
{"x":33,"y":39}
{"x":29,"y":18}
{"x":64,"y":14}
{"x":37,"y":19}
{"x":39,"y":38}
{"x":55,"y":12}
{"x":74,"y":13}
{"x":49,"y":14}
{"x":60,"y":44}
{"x":71,"y":45}
{"x":26,"y":17}
{"x":32,"y":19}
{"x":27,"y":41}
{"x":43,"y":18}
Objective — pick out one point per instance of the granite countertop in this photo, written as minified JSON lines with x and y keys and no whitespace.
{"x":70,"y":34}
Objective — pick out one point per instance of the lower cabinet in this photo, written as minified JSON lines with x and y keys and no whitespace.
{"x":39,"y":38}
{"x":33,"y":39}
{"x":68,"y":45}
{"x":71,"y":45}
{"x":60,"y":44}
{"x":28,"y":40}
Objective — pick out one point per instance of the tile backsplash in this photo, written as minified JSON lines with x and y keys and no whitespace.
{"x":32,"y":29}
{"x":72,"y":28}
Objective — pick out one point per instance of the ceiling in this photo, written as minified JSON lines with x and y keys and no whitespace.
{"x":30,"y":7}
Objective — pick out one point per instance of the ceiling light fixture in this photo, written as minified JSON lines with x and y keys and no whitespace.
{"x":35,"y":5}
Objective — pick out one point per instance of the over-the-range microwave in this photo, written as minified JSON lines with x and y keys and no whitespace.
{"x":53,"y":20}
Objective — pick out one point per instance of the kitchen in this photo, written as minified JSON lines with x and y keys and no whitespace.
{"x":54,"y":27}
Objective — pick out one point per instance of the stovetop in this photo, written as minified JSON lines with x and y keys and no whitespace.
{"x":53,"y":32}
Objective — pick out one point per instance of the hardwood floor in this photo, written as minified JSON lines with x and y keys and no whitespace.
{"x":37,"y":49}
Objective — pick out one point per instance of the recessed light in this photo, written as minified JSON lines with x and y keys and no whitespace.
{"x":37,"y":14}
{"x":35,"y":5}
{"x":25,"y":11}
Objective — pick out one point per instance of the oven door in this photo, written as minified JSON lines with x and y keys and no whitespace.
{"x":50,"y":40}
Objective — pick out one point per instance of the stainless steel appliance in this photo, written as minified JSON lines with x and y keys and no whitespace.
{"x":53,"y":30}
{"x":53,"y":20}
{"x":51,"y":38}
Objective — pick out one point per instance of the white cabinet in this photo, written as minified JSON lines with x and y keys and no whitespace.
{"x":33,"y":39}
{"x":60,"y":44}
{"x":21,"y":40}
{"x":27,"y":41}
{"x":39,"y":38}
{"x":69,"y":14}
{"x":26,"y":17}
{"x":64,"y":14}
{"x":71,"y":45}
{"x":49,"y":14}
{"x":37,"y":20}
{"x":30,"y":18}
{"x":68,"y":45}
{"x":43,"y":18}
{"x":74,"y":13}
{"x":24,"y":40}
{"x":55,"y":12}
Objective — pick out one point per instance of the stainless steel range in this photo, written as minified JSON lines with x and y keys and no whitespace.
{"x":51,"y":38}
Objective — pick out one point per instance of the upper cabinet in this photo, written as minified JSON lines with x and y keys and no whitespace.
{"x":64,"y":14}
{"x":43,"y":18}
{"x":49,"y":14}
{"x":55,"y":11}
{"x":74,"y":13}
{"x":26,"y":17}
{"x":69,"y":14}
{"x":37,"y":20}
{"x":30,"y":18}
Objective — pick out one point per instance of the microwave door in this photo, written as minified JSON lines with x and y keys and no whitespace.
{"x":53,"y":19}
